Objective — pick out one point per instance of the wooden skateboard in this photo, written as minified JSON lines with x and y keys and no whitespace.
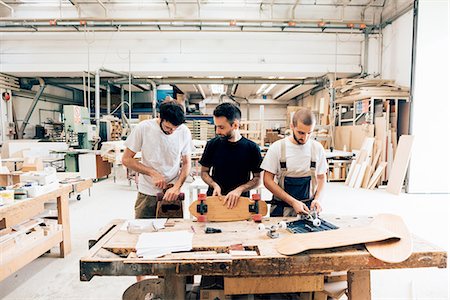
{"x":391,"y":251}
{"x":387,"y":228}
{"x":213,"y":209}
{"x":169,"y":209}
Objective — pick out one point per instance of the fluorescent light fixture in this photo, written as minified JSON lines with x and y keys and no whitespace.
{"x":269,"y":88}
{"x":217,"y":88}
{"x":261,"y":89}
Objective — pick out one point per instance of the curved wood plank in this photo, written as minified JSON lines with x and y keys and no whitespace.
{"x":298,"y":243}
{"x":391,"y":251}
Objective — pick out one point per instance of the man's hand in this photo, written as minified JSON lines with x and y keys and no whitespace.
{"x":300,"y":207}
{"x":171,"y":194}
{"x":217,"y":191}
{"x":158,"y":180}
{"x":232,"y":198}
{"x":316,"y":205}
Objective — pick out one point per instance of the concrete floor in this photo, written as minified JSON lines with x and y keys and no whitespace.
{"x":49,"y":277}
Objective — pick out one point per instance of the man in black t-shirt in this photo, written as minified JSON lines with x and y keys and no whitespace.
{"x":232,"y":158}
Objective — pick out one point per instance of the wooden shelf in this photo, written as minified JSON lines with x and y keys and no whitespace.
{"x":20,"y":255}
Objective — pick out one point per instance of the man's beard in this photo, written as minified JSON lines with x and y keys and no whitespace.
{"x":297,"y":140}
{"x":226,"y":137}
{"x":160,"y":126}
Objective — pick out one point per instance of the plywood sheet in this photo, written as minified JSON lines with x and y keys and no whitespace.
{"x":400,"y":164}
{"x":342,"y":137}
{"x":359,"y":133}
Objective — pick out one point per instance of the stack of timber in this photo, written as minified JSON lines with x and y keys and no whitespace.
{"x":350,"y":90}
{"x":201,"y":130}
{"x":386,"y":114}
{"x":367,"y":169}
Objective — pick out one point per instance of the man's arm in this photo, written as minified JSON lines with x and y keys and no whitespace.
{"x":210,"y":182}
{"x":131,"y":163}
{"x":232,"y":198}
{"x":319,"y":193}
{"x":172,"y":193}
{"x":279,"y":193}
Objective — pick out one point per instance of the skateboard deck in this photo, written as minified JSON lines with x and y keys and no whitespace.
{"x":217,"y":212}
{"x":169,"y":209}
{"x":375,"y":232}
{"x":391,"y":251}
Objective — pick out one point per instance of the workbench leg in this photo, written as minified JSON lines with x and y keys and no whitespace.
{"x":359,"y":285}
{"x":63,"y":218}
{"x":175,"y":286}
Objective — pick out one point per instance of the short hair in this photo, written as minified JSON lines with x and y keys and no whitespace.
{"x":229,"y":111}
{"x":172,"y":112}
{"x":305,"y":116}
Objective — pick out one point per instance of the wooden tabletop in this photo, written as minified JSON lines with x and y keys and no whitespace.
{"x":114,"y":253}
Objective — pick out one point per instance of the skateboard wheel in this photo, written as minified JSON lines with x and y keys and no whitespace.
{"x":201,"y":197}
{"x":256,"y":197}
{"x":201,"y":218}
{"x":261,"y":227}
{"x":282,"y":225}
{"x":257,"y":217}
{"x":317,"y":222}
{"x":159,"y":196}
{"x":181,"y":196}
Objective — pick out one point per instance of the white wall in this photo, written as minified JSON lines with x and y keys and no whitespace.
{"x":181,"y":54}
{"x":397,"y":50}
{"x":429,"y":168}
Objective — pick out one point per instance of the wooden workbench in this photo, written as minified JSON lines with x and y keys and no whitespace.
{"x":113,"y":254}
{"x":23,"y":210}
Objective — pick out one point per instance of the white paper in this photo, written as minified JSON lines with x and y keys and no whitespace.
{"x":155,"y":244}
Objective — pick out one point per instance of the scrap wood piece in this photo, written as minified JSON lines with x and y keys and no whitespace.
{"x":377,"y":175}
{"x":400,"y":165}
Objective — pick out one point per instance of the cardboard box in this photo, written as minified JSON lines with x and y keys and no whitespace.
{"x":32,"y":164}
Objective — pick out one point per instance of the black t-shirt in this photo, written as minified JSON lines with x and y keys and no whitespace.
{"x":231,"y":163}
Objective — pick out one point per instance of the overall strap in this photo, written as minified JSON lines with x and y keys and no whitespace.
{"x":313,"y":169}
{"x":283,"y":166}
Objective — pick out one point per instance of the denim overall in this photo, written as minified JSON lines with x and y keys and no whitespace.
{"x":299,"y":185}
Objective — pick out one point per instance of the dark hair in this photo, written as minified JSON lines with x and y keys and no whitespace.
{"x":304,"y":116}
{"x":229,"y":111}
{"x":172,"y":112}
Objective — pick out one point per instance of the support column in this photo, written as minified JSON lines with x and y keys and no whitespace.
{"x":108,"y":99}
{"x":97,"y":98}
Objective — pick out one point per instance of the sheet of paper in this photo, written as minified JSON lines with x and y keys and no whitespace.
{"x":155,"y":244}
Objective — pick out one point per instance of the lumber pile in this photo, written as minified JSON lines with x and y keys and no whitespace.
{"x":201,"y":129}
{"x":366,"y":170}
{"x":350,"y":90}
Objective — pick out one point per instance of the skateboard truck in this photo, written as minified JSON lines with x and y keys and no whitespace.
{"x":272,"y":230}
{"x":313,"y":217}
{"x":254,"y":208}
{"x":202,"y":208}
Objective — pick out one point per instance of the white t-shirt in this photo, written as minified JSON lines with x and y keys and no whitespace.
{"x":160,"y":151}
{"x":298,"y":157}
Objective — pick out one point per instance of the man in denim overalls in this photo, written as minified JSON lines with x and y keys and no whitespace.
{"x":299,"y":164}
